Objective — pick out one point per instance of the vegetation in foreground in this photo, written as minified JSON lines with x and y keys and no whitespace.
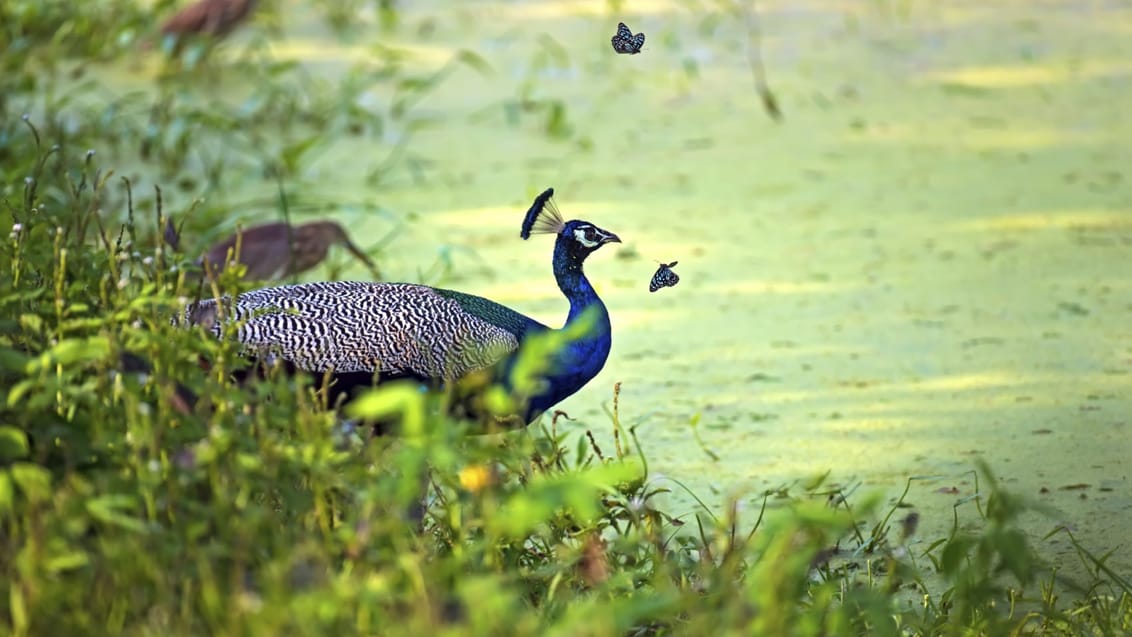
{"x":258,"y":514}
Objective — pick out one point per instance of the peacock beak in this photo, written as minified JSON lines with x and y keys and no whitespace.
{"x":609,"y":237}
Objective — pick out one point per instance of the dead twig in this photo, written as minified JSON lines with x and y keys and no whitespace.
{"x":755,"y":61}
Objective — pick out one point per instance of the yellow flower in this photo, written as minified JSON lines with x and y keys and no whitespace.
{"x":475,"y":477}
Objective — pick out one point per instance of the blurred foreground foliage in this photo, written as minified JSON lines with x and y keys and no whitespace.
{"x":256,"y":513}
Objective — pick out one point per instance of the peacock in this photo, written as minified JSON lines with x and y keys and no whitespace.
{"x":354,"y":333}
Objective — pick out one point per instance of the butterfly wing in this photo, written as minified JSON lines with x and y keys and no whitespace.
{"x":663,"y":278}
{"x":625,"y":41}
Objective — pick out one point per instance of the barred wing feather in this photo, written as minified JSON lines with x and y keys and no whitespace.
{"x":392,"y":328}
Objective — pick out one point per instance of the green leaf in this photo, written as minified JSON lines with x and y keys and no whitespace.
{"x":73,"y":350}
{"x":496,"y":401}
{"x":31,"y":322}
{"x":581,"y":450}
{"x":538,"y":351}
{"x":113,"y":510}
{"x":403,"y":399}
{"x":954,"y":553}
{"x":292,"y":153}
{"x":81,"y":324}
{"x":579,"y":493}
{"x":615,"y":615}
{"x":13,"y":443}
{"x":1015,"y":552}
{"x":19,"y":390}
{"x":18,"y":609}
{"x":474,"y":60}
{"x":12,"y":360}
{"x":67,"y":561}
{"x":33,"y":480}
{"x":7,"y":493}
{"x":23,"y":296}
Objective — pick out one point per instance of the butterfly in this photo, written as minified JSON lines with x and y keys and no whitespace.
{"x":664,"y":277}
{"x":626,"y":42}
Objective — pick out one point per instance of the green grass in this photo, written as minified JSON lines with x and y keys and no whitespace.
{"x":258,"y":514}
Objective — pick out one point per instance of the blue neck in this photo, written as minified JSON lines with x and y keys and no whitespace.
{"x":574,"y":284}
{"x":581,"y":360}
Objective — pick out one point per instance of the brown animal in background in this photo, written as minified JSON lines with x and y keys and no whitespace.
{"x":276,"y":250}
{"x":216,"y":18}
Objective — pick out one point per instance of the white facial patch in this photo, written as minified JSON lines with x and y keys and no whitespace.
{"x":580,"y":237}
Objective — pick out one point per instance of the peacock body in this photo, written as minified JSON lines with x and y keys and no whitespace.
{"x":359,"y":332}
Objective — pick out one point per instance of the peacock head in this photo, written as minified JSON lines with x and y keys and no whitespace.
{"x":583,"y":237}
{"x":579,"y":238}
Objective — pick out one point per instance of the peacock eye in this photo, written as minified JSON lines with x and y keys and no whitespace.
{"x":591,"y":234}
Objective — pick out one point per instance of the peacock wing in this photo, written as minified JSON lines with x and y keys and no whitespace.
{"x":393,"y":328}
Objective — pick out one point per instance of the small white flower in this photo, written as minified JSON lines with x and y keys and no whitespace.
{"x":148,"y":261}
{"x":17,"y":228}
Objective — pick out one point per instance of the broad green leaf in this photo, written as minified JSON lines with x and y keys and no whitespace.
{"x":23,"y":296}
{"x":1016,"y":556}
{"x":475,"y":61}
{"x":81,"y":324}
{"x":113,"y":509}
{"x":13,"y":443}
{"x":67,"y":561}
{"x":31,"y":322}
{"x":12,"y":360}
{"x":33,"y":480}
{"x":7,"y":493}
{"x":402,"y":399}
{"x":954,"y":554}
{"x":73,"y":350}
{"x":579,"y":493}
{"x":16,"y":394}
